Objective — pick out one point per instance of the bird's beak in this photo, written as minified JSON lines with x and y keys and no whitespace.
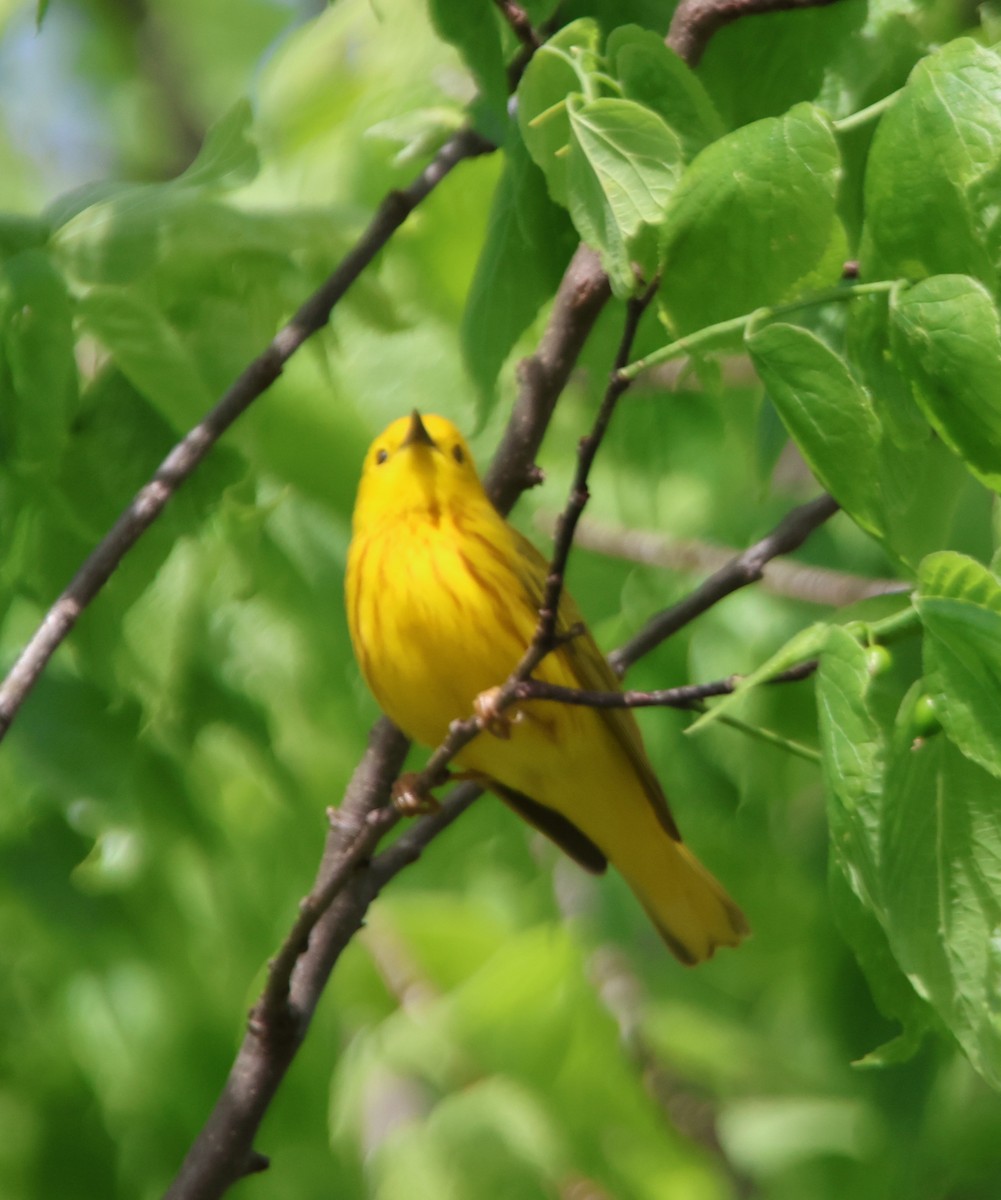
{"x":417,"y":434}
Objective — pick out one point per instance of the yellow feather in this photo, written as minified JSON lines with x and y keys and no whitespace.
{"x":442,"y":599}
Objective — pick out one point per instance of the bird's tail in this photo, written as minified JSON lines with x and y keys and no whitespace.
{"x":689,"y":907}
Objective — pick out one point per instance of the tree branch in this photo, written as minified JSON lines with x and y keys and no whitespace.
{"x":566,"y":523}
{"x":189,"y":452}
{"x":695,"y":21}
{"x":520,"y":23}
{"x":583,"y":293}
{"x":791,"y":532}
{"x":688,"y":696}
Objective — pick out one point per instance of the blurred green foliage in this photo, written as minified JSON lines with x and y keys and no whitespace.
{"x":504,"y":1026}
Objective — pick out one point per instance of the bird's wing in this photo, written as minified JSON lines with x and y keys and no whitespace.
{"x":589,"y":670}
{"x":555,"y":826}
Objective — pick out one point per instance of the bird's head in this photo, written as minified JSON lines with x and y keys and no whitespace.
{"x":419,"y":464}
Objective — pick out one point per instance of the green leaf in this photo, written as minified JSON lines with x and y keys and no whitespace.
{"x":941,"y":849}
{"x":905,"y":496}
{"x":491,"y":1139}
{"x":854,"y":748}
{"x":959,"y":602}
{"x":108,"y":233}
{"x":754,"y":71}
{"x":931,"y":154}
{"x":528,"y":243}
{"x":656,"y":77}
{"x":946,"y":334}
{"x":472,"y":26}
{"x":624,"y":163}
{"x":36,"y":340}
{"x":867,"y":348}
{"x":854,"y":762}
{"x":751,"y":217}
{"x":149,"y":352}
{"x":19,"y":233}
{"x":829,"y":415}
{"x":228,"y":155}
{"x":895,"y":998}
{"x":118,"y":439}
{"x":916,"y":831}
{"x":419,"y":132}
{"x":557,"y":70}
{"x":115,"y":233}
{"x":635,"y":158}
{"x":801,"y":647}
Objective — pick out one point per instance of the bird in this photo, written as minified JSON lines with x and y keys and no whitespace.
{"x":442,"y":598}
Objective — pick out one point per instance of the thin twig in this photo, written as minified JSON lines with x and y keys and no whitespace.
{"x":790,"y":533}
{"x":566,"y":523}
{"x":688,"y":696}
{"x":189,"y":452}
{"x":409,"y":846}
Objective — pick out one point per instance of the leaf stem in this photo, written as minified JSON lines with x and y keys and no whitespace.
{"x":888,"y":629}
{"x":772,"y":738}
{"x":713,"y":335}
{"x":865,"y":115}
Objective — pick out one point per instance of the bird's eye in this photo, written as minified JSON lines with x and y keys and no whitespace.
{"x":380,"y":457}
{"x":457,"y":454}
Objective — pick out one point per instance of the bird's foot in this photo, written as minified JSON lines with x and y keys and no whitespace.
{"x":490,"y":715}
{"x":410,"y":796}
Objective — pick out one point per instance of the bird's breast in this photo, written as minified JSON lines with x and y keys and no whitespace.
{"x":437,"y":616}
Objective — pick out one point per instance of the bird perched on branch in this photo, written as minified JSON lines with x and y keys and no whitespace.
{"x":443,"y":599}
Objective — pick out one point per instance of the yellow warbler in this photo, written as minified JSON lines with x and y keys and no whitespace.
{"x":443,"y":598}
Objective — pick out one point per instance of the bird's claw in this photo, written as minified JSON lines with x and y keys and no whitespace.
{"x":489,"y":714}
{"x":411,"y":798}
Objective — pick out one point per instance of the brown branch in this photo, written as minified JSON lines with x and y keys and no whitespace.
{"x":583,"y":293}
{"x":520,"y":24}
{"x":529,"y":37}
{"x":695,"y":21}
{"x":790,"y":533}
{"x":566,"y":523}
{"x":687,"y":696}
{"x":409,"y":846}
{"x":223,"y":1151}
{"x":189,"y":452}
